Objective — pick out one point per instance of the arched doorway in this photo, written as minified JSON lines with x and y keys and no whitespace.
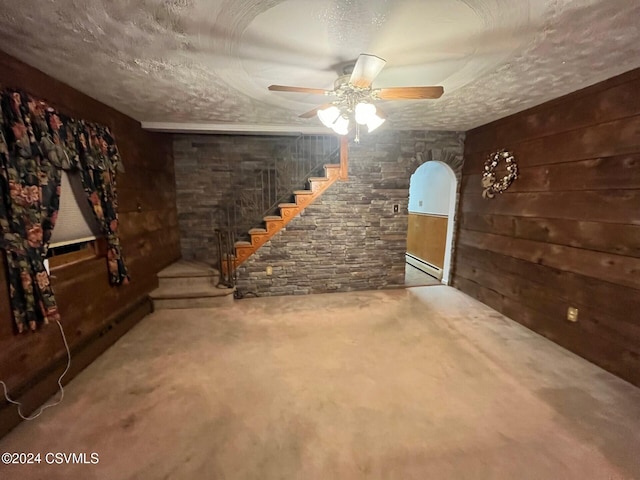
{"x":432,"y":207}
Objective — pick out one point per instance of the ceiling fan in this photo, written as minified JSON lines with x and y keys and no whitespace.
{"x":355,"y":97}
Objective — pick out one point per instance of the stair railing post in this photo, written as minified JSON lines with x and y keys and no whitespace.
{"x":230,"y":259}
{"x":220,"y":258}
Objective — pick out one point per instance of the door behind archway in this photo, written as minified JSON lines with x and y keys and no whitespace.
{"x":432,"y":196}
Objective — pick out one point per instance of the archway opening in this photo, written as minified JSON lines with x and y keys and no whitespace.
{"x":432,"y":206}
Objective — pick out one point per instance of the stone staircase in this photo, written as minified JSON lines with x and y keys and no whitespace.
{"x":189,"y":284}
{"x":288,"y":211}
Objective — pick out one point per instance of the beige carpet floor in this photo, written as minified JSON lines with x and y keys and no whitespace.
{"x":422,"y":383}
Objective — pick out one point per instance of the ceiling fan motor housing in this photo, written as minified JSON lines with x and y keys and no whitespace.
{"x":341,"y":81}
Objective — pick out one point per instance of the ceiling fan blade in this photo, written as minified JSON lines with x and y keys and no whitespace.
{"x":409,"y":93}
{"x":284,"y":88}
{"x":367,"y":68}
{"x":312,"y":113}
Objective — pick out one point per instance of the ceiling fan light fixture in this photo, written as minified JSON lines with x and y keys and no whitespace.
{"x":364,"y":112}
{"x":374,"y":122}
{"x":355,"y":97}
{"x":341,"y":125}
{"x":329,"y":115}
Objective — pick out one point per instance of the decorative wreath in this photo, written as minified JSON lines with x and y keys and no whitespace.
{"x":489,"y":183}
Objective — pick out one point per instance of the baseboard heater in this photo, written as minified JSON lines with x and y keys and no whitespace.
{"x":424,"y":266}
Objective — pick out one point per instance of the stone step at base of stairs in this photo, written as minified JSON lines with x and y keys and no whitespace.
{"x":190,"y":284}
{"x":164,"y":298}
{"x":188,"y":273}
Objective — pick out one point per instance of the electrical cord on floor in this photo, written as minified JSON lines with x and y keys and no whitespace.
{"x":48,"y":405}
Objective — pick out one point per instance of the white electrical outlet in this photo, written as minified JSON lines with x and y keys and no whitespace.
{"x":269,"y":270}
{"x":572,"y":314}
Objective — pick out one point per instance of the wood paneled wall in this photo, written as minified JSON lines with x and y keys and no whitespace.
{"x":567,"y":232}
{"x":427,"y":237}
{"x":93,"y":313}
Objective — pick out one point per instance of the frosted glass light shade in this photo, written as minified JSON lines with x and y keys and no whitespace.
{"x":328,"y":115}
{"x":364,"y":112}
{"x":341,"y":125}
{"x":374,"y":122}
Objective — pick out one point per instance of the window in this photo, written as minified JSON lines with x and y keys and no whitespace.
{"x":75,"y":235}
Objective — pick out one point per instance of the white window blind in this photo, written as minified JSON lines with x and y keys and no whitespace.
{"x":75,"y":222}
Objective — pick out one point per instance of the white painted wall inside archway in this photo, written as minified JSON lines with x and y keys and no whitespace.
{"x":432,"y":190}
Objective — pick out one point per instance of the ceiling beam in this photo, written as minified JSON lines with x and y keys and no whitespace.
{"x":226,"y":128}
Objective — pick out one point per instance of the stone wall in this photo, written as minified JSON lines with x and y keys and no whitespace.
{"x":223,"y":179}
{"x":350,"y":239}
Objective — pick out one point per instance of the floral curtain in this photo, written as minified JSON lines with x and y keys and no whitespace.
{"x":99,"y":159}
{"x":29,"y":199}
{"x":36,"y":142}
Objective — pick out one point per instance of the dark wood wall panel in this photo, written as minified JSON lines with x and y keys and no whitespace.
{"x":610,"y":206}
{"x":595,"y":348}
{"x":88,"y":305}
{"x":605,"y":297}
{"x":567,"y":232}
{"x":622,"y":172}
{"x":611,"y":99}
{"x":620,"y":137}
{"x":613,"y":268}
{"x":614,"y":238}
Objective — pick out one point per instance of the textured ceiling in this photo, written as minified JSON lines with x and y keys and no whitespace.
{"x":210,"y":61}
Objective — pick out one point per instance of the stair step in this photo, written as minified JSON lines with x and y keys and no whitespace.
{"x":189,"y":284}
{"x":274,"y":218}
{"x":193,"y":283}
{"x":171,"y":293}
{"x":242,"y":243}
{"x":303,"y":192}
{"x":166,"y":298}
{"x":188,"y":274}
{"x":319,"y":183}
{"x":332,"y":170}
{"x":187,"y":268}
{"x":257,"y":231}
{"x":288,"y":205}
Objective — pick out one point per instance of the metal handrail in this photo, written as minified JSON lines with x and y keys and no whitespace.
{"x":263,"y":186}
{"x":275,"y":179}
